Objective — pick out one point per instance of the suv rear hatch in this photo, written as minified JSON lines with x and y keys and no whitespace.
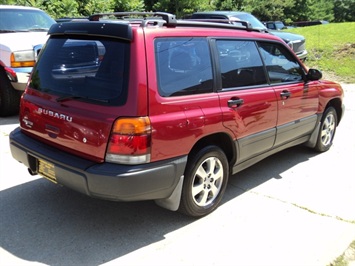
{"x":79,"y":87}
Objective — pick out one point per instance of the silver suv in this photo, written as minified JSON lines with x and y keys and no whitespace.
{"x":295,"y":41}
{"x":23,"y":31}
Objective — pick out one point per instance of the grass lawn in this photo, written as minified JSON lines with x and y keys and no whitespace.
{"x":331,"y":48}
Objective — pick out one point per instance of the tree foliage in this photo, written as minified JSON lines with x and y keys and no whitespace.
{"x":344,"y":10}
{"x":285,"y":10}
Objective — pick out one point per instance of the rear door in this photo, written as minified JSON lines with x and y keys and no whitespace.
{"x":248,"y":103}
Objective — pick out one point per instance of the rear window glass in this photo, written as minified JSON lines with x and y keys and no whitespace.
{"x":183,"y":66}
{"x":93,"y":70}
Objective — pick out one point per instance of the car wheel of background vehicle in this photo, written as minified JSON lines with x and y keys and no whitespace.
{"x":9,"y":97}
{"x":206,"y":178}
{"x":327,"y":130}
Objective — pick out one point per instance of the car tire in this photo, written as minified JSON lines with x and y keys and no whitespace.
{"x":327,"y":130}
{"x":206,"y":178}
{"x":9,"y":97}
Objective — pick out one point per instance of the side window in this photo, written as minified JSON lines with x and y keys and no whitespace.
{"x":183,"y":66}
{"x":240,"y":64}
{"x":271,"y":26}
{"x":281,"y":65}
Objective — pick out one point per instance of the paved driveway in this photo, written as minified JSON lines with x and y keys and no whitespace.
{"x":294,"y":208}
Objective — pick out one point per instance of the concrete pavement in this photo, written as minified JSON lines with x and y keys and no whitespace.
{"x":294,"y":208}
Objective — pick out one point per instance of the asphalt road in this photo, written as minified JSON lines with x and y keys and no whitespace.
{"x":294,"y":208}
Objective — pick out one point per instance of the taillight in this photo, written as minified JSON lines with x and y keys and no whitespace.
{"x":129,"y":141}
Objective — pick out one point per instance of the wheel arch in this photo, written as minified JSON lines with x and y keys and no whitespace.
{"x":337,"y":104}
{"x":338,"y":107}
{"x":221,"y":140}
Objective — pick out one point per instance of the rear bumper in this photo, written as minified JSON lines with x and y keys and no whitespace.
{"x":101,"y":180}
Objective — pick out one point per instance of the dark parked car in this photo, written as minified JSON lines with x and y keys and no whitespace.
{"x":275,"y":25}
{"x":310,"y":23}
{"x":155,"y":108}
{"x":295,"y":41}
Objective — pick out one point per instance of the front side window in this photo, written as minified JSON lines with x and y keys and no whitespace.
{"x":281,"y":65}
{"x":183,"y":66}
{"x":240,"y":64}
{"x":93,"y":70}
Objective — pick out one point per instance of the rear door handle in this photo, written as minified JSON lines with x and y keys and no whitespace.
{"x":234,"y":103}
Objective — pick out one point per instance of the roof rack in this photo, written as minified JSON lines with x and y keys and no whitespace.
{"x":218,"y":23}
{"x":169,"y":20}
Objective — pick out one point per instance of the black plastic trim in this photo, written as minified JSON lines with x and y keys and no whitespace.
{"x":156,"y":180}
{"x":112,"y":30}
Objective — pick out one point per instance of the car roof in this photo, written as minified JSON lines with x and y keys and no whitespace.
{"x":226,"y":13}
{"x":240,"y":15}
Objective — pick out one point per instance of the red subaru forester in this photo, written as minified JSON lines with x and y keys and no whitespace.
{"x":148,"y":107}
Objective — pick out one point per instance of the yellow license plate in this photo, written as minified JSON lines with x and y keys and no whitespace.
{"x":46,"y":170}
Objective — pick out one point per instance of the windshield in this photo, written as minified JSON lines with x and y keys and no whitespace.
{"x":279,"y":25}
{"x":15,"y":20}
{"x":255,"y":23}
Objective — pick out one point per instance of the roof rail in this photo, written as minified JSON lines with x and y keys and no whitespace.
{"x":217,"y":23}
{"x":170,"y":19}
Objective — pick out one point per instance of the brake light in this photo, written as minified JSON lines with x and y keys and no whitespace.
{"x":130,"y":141}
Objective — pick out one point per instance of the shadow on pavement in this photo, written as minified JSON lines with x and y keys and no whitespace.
{"x":42,"y":222}
{"x":50,"y":224}
{"x":9,"y":120}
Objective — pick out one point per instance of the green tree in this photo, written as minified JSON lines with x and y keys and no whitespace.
{"x":229,"y":5}
{"x":89,"y":7}
{"x":180,"y":7}
{"x":268,"y":10}
{"x":286,"y":10}
{"x":297,"y":12}
{"x":320,"y":10}
{"x":34,"y":3}
{"x":344,"y":10}
{"x":127,"y":5}
{"x":60,"y":9}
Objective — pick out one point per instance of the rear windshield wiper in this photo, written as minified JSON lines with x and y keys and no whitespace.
{"x":69,"y":97}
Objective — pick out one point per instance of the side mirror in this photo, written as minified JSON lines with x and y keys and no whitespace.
{"x":314,"y":74}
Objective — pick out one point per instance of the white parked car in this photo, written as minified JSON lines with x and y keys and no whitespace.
{"x":23,"y":31}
